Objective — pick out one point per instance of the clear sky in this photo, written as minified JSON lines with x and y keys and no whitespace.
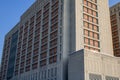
{"x":10,"y":12}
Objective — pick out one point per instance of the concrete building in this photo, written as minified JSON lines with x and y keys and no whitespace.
{"x":0,"y":71}
{"x":115,"y":25}
{"x":91,"y":65}
{"x":38,"y":47}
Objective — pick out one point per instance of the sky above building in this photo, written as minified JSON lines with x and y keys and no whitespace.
{"x":10,"y":12}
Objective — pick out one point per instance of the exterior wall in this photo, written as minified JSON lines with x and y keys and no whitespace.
{"x":96,"y":66}
{"x":76,"y":66}
{"x":105,"y":27}
{"x":101,"y":65}
{"x":6,"y":53}
{"x":41,"y":67}
{"x":12,"y":56}
{"x":87,"y":28}
{"x":36,"y":57}
{"x":115,"y":26}
{"x":66,"y":36}
{"x":79,"y":39}
{"x":88,"y":36}
{"x":31,"y":61}
{"x":52,"y":29}
{"x":119,"y":65}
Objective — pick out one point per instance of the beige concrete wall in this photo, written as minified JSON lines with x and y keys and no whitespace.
{"x":85,"y":62}
{"x":105,"y":27}
{"x":79,"y":24}
{"x":119,"y":66}
{"x":101,"y":64}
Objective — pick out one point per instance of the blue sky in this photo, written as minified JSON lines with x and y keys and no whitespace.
{"x":10,"y":12}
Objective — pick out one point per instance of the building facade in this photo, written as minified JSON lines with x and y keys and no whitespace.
{"x":90,"y":65}
{"x":115,"y":26}
{"x":38,"y":47}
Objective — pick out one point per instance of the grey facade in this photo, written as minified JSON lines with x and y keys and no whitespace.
{"x":42,"y":43}
{"x":12,"y":56}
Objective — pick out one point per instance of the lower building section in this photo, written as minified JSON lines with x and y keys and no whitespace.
{"x":91,"y":65}
{"x":51,"y":72}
